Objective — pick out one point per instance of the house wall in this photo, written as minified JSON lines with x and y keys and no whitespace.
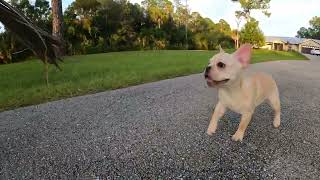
{"x":295,"y":47}
{"x":267,"y":46}
{"x":311,"y":44}
{"x":276,"y":44}
{"x":301,"y":45}
{"x":308,"y":45}
{"x":292,"y":47}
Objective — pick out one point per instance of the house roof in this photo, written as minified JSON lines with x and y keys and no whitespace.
{"x":290,"y":40}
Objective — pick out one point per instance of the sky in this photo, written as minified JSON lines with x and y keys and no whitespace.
{"x":287,"y":16}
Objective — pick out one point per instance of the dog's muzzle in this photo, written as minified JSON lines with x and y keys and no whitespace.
{"x":206,"y":72}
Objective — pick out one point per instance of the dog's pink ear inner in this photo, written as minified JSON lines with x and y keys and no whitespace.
{"x":243,"y":54}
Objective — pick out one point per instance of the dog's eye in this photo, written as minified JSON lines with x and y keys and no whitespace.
{"x":221,"y":65}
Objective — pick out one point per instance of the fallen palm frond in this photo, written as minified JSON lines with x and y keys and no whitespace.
{"x":47,"y":47}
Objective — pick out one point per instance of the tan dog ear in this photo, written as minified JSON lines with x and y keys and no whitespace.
{"x":243,"y":54}
{"x":220,"y":48}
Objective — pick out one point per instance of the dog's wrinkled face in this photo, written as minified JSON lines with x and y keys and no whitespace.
{"x":224,"y":69}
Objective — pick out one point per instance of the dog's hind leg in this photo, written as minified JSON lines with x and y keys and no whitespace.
{"x":274,"y":102}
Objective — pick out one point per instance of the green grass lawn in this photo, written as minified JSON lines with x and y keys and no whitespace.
{"x":23,"y":84}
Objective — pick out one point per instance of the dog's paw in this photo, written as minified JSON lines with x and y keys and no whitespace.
{"x":276,"y":124}
{"x":211,"y":129}
{"x":238,"y":136}
{"x":210,"y":132}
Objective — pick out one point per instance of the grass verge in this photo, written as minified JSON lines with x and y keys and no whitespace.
{"x":23,"y":84}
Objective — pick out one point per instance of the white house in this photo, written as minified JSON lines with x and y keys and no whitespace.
{"x":291,"y":44}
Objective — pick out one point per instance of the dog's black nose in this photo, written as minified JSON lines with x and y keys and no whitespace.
{"x":206,"y":73}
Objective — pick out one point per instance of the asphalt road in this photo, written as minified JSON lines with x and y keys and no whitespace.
{"x":158,"y":130}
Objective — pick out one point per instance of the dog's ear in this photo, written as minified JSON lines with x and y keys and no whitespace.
{"x":243,"y":55}
{"x":220,"y":49}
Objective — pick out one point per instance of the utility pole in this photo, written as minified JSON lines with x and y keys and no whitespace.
{"x":187,"y":21}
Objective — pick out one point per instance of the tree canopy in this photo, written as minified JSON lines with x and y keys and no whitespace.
{"x":96,"y":26}
{"x":251,"y":33}
{"x":313,"y":31}
{"x":249,"y":5}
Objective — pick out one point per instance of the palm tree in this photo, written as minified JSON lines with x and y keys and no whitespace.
{"x":43,"y":45}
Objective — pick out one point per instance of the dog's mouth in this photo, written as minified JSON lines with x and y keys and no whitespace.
{"x":212,"y":82}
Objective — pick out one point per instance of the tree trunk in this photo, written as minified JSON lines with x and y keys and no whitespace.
{"x":159,"y":23}
{"x":187,"y":20}
{"x":57,"y":22}
{"x":238,"y":30}
{"x":237,"y":41}
{"x":57,"y":30}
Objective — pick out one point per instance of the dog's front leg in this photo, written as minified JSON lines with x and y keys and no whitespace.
{"x":245,"y":120}
{"x":219,"y":111}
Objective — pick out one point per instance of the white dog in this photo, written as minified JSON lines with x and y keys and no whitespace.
{"x":237,"y":91}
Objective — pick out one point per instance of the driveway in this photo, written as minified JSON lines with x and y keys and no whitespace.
{"x":158,"y":130}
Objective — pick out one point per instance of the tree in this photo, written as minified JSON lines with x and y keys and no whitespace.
{"x":313,"y":31}
{"x":208,"y":35}
{"x":87,"y":7}
{"x":315,"y":22}
{"x":181,"y":16}
{"x":235,"y":37}
{"x":5,"y":47}
{"x":224,"y":27}
{"x":235,"y":33}
{"x":57,"y":26}
{"x":57,"y":22}
{"x":41,"y":14}
{"x":251,"y":33}
{"x":304,"y":33}
{"x":95,"y":26}
{"x":158,"y":10}
{"x":249,"y":5}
